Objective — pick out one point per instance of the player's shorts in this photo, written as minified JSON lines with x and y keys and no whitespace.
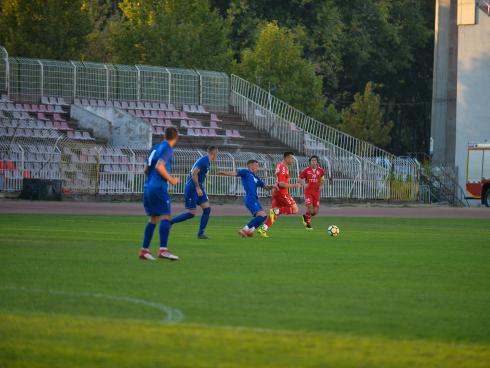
{"x":282,"y":200}
{"x":253,"y":205}
{"x":157,"y":202}
{"x":192,"y":200}
{"x":312,"y":198}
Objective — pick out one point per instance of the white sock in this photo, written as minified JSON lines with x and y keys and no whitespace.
{"x":245,"y":228}
{"x":265,"y":227}
{"x":252,"y":229}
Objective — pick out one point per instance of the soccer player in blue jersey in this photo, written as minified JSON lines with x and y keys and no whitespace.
{"x":156,"y":199}
{"x":251,"y":182}
{"x":195,"y":194}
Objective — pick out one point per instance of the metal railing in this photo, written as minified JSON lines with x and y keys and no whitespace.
{"x":369,"y":171}
{"x":25,"y":79}
{"x":93,"y":169}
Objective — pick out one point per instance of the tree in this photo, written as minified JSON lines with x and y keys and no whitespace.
{"x":277,"y":62}
{"x":364,"y":118}
{"x":186,"y":34}
{"x":53,"y":29}
{"x":103,"y":13}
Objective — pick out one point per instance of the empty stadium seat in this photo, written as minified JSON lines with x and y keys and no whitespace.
{"x":214,"y":118}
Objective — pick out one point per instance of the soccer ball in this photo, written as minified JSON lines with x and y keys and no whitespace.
{"x":333,"y":231}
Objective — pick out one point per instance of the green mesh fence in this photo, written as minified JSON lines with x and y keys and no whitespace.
{"x":57,"y":79}
{"x":25,"y":79}
{"x":215,"y":89}
{"x":30,"y":79}
{"x":154,"y":83}
{"x":123,"y":82}
{"x":184,"y":86}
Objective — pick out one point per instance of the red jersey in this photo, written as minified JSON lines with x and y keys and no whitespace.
{"x":282,"y":175}
{"x":313,"y":178}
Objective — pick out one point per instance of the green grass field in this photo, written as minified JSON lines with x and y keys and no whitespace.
{"x":386,"y":293}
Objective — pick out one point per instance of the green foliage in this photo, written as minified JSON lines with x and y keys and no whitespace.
{"x":186,"y":34}
{"x":277,"y":62}
{"x":52,"y":29}
{"x":364,"y":118}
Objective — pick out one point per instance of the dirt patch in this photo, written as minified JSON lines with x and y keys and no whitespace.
{"x":115,"y":208}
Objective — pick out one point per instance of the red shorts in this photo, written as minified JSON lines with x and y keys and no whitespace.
{"x":312,"y":198}
{"x":282,"y":200}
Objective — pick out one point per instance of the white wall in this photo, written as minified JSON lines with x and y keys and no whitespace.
{"x":473,"y":89}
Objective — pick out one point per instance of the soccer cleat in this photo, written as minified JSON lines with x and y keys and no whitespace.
{"x":145,"y":255}
{"x":272,"y":215}
{"x":305,"y":222}
{"x":243,"y":233}
{"x":165,"y":254}
{"x":202,"y":236}
{"x":263,"y":233}
{"x":308,"y":227}
{"x":246,"y":234}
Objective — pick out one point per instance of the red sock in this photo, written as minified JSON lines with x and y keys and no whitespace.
{"x":308,"y":215}
{"x":268,"y":222}
{"x":285,"y":210}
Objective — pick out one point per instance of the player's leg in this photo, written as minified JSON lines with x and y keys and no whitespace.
{"x":259,"y":217}
{"x":309,"y":210}
{"x":164,"y":228}
{"x":274,"y":213}
{"x":190,"y":201}
{"x":148,"y":235}
{"x":203,"y":201}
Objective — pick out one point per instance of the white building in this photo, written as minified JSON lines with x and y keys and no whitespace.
{"x":461,"y":85}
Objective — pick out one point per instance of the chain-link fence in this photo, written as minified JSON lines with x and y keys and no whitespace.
{"x":30,"y":79}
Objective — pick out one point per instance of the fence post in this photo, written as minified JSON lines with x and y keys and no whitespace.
{"x":138,"y":84}
{"x":74,"y":80}
{"x":169,"y":86}
{"x":200,"y":86}
{"x":41,"y":84}
{"x":106,"y":82}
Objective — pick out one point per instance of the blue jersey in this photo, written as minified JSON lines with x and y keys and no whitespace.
{"x":163,"y":152}
{"x":203,"y":165}
{"x":250,"y":182}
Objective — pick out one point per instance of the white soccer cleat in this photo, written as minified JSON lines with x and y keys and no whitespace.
{"x":145,"y":255}
{"x":165,"y":254}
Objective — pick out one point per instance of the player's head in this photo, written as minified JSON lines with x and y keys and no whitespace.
{"x":253,"y":165}
{"x":171,"y":136}
{"x":212,"y":153}
{"x":314,"y":161}
{"x":289,"y":157}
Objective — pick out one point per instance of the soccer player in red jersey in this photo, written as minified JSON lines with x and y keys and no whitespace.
{"x":282,"y":202}
{"x":313,"y":176}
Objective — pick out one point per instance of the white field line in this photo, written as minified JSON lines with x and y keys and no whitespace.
{"x":172,"y":315}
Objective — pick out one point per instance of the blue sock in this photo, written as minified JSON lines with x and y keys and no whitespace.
{"x":182,"y":217}
{"x":256,"y":222}
{"x":164,"y":230}
{"x":204,"y":220}
{"x":149,"y":229}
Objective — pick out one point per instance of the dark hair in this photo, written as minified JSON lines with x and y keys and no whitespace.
{"x":171,"y":133}
{"x":249,"y":162}
{"x":312,"y":157}
{"x":211,"y":149}
{"x":288,"y":153}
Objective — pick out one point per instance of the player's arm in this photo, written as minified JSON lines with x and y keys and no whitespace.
{"x":195,"y":179}
{"x":227,"y":173}
{"x":261,"y":184}
{"x":162,"y":170}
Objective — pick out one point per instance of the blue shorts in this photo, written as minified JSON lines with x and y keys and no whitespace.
{"x":253,"y":205}
{"x":192,"y":200}
{"x":156,"y":202}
